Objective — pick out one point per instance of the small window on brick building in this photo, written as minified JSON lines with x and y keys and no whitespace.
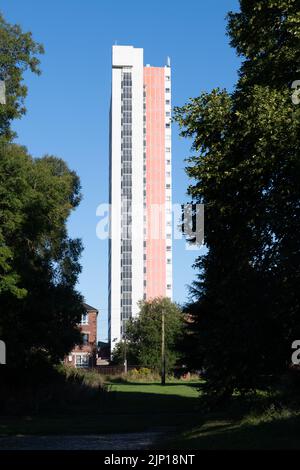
{"x":82,"y":360}
{"x":85,"y":319}
{"x":85,"y":338}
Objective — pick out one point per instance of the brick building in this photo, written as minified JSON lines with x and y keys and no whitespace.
{"x":85,"y":354}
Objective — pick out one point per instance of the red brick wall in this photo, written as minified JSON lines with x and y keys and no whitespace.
{"x":90,"y":348}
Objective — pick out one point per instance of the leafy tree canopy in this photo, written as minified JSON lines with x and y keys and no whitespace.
{"x":246,"y":170}
{"x":143,"y":335}
{"x":39,"y":304}
{"x":39,"y":262}
{"x":18,"y":52}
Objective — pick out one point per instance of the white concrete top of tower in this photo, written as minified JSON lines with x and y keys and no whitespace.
{"x":126,"y":56}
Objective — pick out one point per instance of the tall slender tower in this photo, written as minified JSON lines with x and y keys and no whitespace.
{"x":140,"y":245}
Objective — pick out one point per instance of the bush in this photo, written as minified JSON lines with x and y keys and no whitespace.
{"x":67,"y":389}
{"x":144,"y":374}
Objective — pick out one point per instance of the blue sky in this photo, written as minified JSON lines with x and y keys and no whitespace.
{"x":68,"y":104}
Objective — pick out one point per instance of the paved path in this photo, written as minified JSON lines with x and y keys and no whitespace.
{"x":126,"y":441}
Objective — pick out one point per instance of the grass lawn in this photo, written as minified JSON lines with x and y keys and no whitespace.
{"x":237,"y":426}
{"x":173,"y":390}
{"x":177,"y":409}
{"x":281,"y":433}
{"x":127,"y":407}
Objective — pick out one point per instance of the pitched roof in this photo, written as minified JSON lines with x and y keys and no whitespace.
{"x":89,"y":308}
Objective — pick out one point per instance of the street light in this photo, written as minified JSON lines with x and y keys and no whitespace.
{"x":125,"y":349}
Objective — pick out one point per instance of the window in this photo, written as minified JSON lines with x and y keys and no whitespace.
{"x":85,"y":338}
{"x":167,"y":90}
{"x":127,"y":296}
{"x":167,"y":125}
{"x":167,"y":102}
{"x":85,"y":319}
{"x":168,"y":149}
{"x":169,"y":286}
{"x":82,"y":360}
{"x":168,"y":113}
{"x":127,"y":285}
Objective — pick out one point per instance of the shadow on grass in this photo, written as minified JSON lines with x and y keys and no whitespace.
{"x":191,"y":384}
{"x":129,"y":408}
{"x":277,"y":434}
{"x":195,"y":385}
{"x":145,"y":403}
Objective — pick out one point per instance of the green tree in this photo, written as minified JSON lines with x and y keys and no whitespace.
{"x":18,"y":52}
{"x":39,"y":263}
{"x":40,"y":307}
{"x":246,"y":170}
{"x":143,"y":335}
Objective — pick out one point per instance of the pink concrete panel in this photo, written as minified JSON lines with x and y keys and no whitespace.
{"x":155,"y":276}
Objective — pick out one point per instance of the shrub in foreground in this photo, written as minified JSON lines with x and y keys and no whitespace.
{"x":65,"y":389}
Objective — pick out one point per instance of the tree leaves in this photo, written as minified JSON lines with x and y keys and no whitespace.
{"x":247,"y":173}
{"x":143,"y":335}
{"x":18,"y":52}
{"x":39,"y":263}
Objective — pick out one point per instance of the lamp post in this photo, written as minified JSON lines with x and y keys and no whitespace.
{"x":163,"y":352}
{"x":125,"y":349}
